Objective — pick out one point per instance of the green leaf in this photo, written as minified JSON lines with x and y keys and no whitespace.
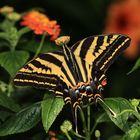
{"x":12,"y":61}
{"x":6,"y":25}
{"x":22,"y":121}
{"x":4,"y":44}
{"x":121,"y":109}
{"x":3,"y":87}
{"x":102,"y":118}
{"x":132,"y":134}
{"x":136,"y":66}
{"x":13,"y":36}
{"x":51,"y":107}
{"x":23,"y":31}
{"x":33,"y":45}
{"x":8,"y":103}
{"x":3,"y":35}
{"x":4,"y":115}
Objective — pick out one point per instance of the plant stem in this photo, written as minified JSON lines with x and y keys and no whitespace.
{"x":76,"y":134}
{"x":137,"y":115}
{"x":67,"y":135}
{"x":93,"y":128}
{"x":88,"y":115}
{"x":40,"y":45}
{"x":10,"y":87}
{"x":88,"y":135}
{"x":83,"y":120}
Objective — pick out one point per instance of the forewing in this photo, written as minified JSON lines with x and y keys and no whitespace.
{"x":43,"y":72}
{"x":101,"y":51}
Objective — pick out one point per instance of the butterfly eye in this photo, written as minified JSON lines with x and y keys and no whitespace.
{"x":104,"y":82}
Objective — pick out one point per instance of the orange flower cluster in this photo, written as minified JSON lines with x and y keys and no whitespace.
{"x":124,"y":17}
{"x":41,"y":24}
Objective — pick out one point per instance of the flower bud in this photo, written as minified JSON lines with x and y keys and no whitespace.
{"x":135,"y":102}
{"x":62,"y":40}
{"x":66,"y":126}
{"x":97,"y":134}
{"x":14,"y":16}
{"x":6,"y":10}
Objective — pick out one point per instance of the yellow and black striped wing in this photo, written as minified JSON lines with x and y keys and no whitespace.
{"x":47,"y":71}
{"x":41,"y":72}
{"x":67,"y":69}
{"x":101,"y":51}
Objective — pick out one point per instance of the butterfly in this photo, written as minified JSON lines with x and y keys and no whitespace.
{"x":77,"y":73}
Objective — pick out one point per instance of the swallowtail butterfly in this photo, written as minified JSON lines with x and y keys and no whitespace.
{"x":78,"y":73}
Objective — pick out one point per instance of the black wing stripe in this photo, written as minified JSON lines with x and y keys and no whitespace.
{"x":109,"y":38}
{"x":100,"y":42}
{"x":93,"y":56}
{"x":121,"y":45}
{"x":46,"y":78}
{"x":80,"y":63}
{"x":85,"y":46}
{"x":37,"y":64}
{"x":110,"y":49}
{"x":51,"y":59}
{"x":67,"y":75}
{"x":106,"y":50}
{"x":73,"y":48}
{"x":35,"y":80}
{"x":28,"y":67}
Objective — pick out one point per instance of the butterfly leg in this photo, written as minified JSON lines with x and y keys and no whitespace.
{"x":97,"y":97}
